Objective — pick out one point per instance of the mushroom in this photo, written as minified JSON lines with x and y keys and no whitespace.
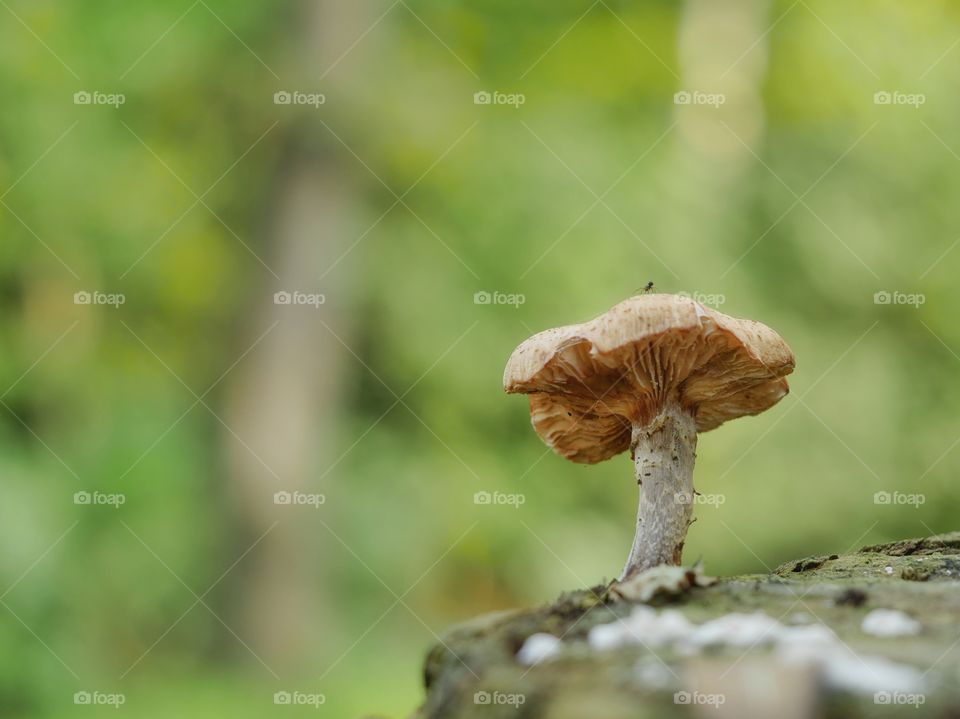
{"x":648,"y":375}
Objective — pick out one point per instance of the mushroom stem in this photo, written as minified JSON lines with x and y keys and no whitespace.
{"x":664,"y":451}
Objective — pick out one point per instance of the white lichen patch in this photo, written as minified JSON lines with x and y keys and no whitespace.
{"x":739,"y":630}
{"x":643,"y":626}
{"x":843,"y":669}
{"x":810,"y":635}
{"x":889,"y":623}
{"x":813,"y":645}
{"x":537,"y":648}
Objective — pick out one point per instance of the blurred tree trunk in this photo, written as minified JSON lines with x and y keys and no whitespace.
{"x":722,"y":49}
{"x":283,"y":401}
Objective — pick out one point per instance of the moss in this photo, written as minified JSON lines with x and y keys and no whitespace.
{"x":918,"y":576}
{"x":937,"y":544}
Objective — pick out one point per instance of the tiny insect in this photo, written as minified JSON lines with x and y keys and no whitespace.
{"x":645,"y":289}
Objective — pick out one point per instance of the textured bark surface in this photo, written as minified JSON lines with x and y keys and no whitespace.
{"x":919,"y":576}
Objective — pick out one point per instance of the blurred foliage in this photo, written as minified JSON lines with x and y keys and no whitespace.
{"x":502,"y":199}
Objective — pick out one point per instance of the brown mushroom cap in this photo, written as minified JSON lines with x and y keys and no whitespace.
{"x":590,"y":383}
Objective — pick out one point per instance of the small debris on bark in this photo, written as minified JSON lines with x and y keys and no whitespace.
{"x":851,"y":597}
{"x":661,"y":583}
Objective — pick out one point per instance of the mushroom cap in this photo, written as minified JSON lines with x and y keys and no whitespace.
{"x":590,"y":383}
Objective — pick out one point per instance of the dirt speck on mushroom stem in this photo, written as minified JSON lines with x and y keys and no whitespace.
{"x":647,"y":376}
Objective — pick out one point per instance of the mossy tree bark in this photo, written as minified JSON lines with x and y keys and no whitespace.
{"x":476,"y":662}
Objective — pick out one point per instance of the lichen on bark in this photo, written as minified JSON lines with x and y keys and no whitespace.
{"x":920,"y":577}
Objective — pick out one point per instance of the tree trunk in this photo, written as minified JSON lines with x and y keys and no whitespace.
{"x":283,"y":399}
{"x":475,"y":673}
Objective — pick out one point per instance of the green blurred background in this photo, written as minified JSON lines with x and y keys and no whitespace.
{"x":398,"y":198}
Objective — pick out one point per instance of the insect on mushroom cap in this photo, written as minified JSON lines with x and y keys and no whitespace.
{"x":589,"y":383}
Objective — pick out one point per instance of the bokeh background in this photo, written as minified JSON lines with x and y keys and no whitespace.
{"x":786,"y":190}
